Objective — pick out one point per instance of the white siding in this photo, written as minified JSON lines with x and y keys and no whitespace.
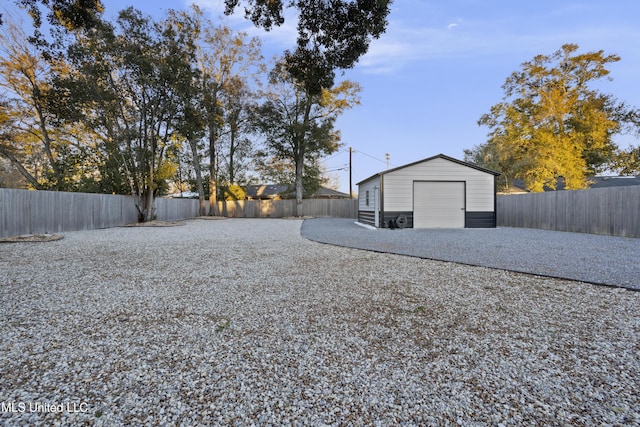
{"x":369,"y":186}
{"x":398,"y":184}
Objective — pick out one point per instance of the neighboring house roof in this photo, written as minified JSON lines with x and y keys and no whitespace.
{"x":183,"y":195}
{"x":439,"y":156}
{"x":274,"y":191}
{"x":595,"y":182}
{"x":328,"y":193}
{"x":614,"y":181}
{"x":266,"y":191}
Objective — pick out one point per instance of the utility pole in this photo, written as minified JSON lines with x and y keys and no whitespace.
{"x":387,"y":156}
{"x":350,"y":175}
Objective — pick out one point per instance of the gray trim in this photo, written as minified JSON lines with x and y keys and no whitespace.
{"x":480,"y":219}
{"x":381,"y":197}
{"x":495,"y":201}
{"x":367,"y":217}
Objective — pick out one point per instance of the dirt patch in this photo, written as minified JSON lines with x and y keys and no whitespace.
{"x":32,"y":238}
{"x":156,"y":224}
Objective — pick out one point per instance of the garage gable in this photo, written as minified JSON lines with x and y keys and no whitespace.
{"x":398,"y":183}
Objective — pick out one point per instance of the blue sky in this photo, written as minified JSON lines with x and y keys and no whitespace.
{"x":441,"y":65}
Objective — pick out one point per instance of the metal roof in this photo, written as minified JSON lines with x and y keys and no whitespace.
{"x":439,"y":156}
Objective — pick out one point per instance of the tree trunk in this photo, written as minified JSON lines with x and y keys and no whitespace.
{"x":299,"y":174}
{"x":199,"y":184}
{"x":57,"y":171}
{"x":213,"y":187}
{"x":203,"y":205}
{"x":232,"y":141}
{"x":148,"y":205}
{"x":23,"y":171}
{"x":299,"y":160}
{"x":299,"y":154}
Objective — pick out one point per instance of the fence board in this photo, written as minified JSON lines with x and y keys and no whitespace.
{"x":613,"y":211}
{"x":33,"y":212}
{"x":26,"y":212}
{"x":176,"y":209}
{"x":336,"y":208}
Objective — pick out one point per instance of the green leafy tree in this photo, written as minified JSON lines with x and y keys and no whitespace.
{"x":62,"y":18}
{"x":45,"y":151}
{"x":224,"y":58}
{"x":72,"y":14}
{"x":488,"y":156}
{"x":275,"y":170}
{"x":299,"y":126}
{"x":552,"y":123}
{"x":191,"y":124}
{"x":126,"y":86}
{"x":238,"y":104}
{"x":9,"y":161}
{"x":10,"y":177}
{"x":627,"y":162}
{"x":332,"y":35}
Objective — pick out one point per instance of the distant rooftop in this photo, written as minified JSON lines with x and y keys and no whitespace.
{"x":596,"y":182}
{"x":275,"y":191}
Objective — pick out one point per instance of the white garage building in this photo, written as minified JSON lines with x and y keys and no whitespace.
{"x":438,"y":192}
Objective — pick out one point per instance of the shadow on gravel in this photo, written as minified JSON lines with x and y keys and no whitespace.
{"x":602,"y":260}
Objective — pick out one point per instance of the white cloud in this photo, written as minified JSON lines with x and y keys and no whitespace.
{"x":420,"y":31}
{"x":282,"y":37}
{"x":408,"y":41}
{"x":216,"y":8}
{"x":402,"y":45}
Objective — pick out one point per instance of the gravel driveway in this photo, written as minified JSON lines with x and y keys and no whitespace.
{"x":608,"y":260}
{"x":245,"y":322}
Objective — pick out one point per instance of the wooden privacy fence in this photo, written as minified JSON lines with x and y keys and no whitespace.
{"x":336,"y":208}
{"x":33,"y":212}
{"x":614,"y":211}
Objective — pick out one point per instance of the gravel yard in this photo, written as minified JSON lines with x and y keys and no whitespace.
{"x":246,"y":322}
{"x":605,"y":260}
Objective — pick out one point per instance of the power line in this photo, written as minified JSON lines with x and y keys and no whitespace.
{"x":374,"y":158}
{"x":337,"y":168}
{"x":344,"y":150}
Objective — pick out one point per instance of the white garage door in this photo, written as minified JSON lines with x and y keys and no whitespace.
{"x":438,"y":205}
